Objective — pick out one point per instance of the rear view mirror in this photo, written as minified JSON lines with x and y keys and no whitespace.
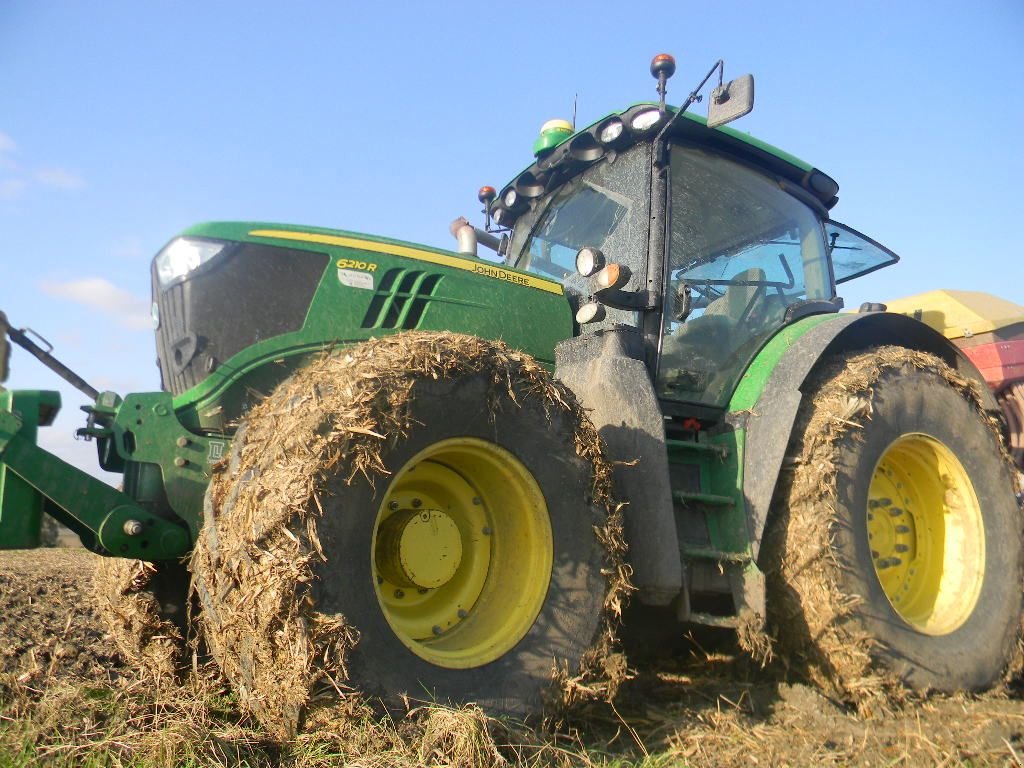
{"x":731,"y":101}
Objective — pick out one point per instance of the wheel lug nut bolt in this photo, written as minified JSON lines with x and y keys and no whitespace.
{"x":393,"y":506}
{"x":902,"y":548}
{"x":416,"y":503}
{"x":463,"y":613}
{"x":182,"y":442}
{"x":399,"y":593}
{"x":902,"y":529}
{"x":487,"y":530}
{"x":895,"y":511}
{"x":477,"y":500}
{"x":436,"y":630}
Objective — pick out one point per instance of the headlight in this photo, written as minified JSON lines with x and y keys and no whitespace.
{"x":183,"y":255}
{"x":589,"y":260}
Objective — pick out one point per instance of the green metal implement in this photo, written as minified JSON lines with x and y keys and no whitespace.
{"x":107,"y":520}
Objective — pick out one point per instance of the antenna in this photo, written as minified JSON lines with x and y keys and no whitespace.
{"x":575,"y":96}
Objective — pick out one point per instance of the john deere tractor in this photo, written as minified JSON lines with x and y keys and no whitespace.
{"x":381,"y":461}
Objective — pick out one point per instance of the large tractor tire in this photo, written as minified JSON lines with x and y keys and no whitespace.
{"x":421,"y":517}
{"x":144,"y":607}
{"x":894,"y":555}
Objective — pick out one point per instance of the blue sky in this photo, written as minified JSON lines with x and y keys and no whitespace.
{"x":124,"y":122}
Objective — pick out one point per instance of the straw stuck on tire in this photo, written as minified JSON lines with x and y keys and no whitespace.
{"x":895,"y":556}
{"x":143,"y":606}
{"x":423,"y":516}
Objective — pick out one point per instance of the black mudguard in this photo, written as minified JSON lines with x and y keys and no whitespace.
{"x":607,"y":373}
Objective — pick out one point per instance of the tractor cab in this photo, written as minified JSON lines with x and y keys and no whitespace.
{"x":704,"y":240}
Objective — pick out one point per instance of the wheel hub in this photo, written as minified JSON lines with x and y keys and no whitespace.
{"x":462,"y":552}
{"x":926,"y":534}
{"x":419,"y":548}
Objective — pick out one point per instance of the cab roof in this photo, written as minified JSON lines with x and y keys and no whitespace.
{"x":590,"y":144}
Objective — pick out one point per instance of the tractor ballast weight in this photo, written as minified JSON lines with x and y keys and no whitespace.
{"x":707,"y":344}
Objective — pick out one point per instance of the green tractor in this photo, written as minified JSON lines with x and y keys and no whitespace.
{"x":380,"y":461}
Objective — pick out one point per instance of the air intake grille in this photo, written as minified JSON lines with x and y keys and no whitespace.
{"x":247,"y":294}
{"x":400,"y":299}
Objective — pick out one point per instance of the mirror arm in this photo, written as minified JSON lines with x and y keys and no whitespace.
{"x":693,"y":97}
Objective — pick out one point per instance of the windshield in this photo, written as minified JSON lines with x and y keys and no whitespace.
{"x":741,"y":250}
{"x":607,"y":207}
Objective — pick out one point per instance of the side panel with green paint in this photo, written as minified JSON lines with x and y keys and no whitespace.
{"x":710,"y":488}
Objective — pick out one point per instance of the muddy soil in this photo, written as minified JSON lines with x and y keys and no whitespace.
{"x":48,"y":625}
{"x":700,"y":705}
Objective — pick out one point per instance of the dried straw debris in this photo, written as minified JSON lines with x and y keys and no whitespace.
{"x":128,"y":606}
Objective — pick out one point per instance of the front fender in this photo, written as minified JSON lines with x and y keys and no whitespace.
{"x":607,"y":373}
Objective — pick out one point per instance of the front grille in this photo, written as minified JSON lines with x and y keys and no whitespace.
{"x":247,"y":294}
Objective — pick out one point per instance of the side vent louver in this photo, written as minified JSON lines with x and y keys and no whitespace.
{"x":400,"y":299}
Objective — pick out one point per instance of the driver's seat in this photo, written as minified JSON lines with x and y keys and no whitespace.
{"x":699,"y":347}
{"x":739,"y":301}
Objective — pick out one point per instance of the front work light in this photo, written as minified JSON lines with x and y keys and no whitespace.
{"x":182,"y":256}
{"x":644,"y":121}
{"x":591,"y":312}
{"x":589,"y":260}
{"x":610,"y":132}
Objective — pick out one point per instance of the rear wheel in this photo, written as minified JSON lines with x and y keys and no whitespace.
{"x":895,"y":552}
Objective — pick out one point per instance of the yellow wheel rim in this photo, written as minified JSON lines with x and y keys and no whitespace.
{"x":926,"y":534}
{"x":462,"y":552}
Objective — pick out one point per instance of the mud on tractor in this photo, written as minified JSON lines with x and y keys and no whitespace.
{"x":422,"y":472}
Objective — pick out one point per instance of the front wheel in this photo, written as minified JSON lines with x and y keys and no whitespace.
{"x":895,"y":552}
{"x":424,"y":516}
{"x":475,"y":565}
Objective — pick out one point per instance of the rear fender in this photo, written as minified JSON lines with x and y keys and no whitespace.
{"x":771,"y":413}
